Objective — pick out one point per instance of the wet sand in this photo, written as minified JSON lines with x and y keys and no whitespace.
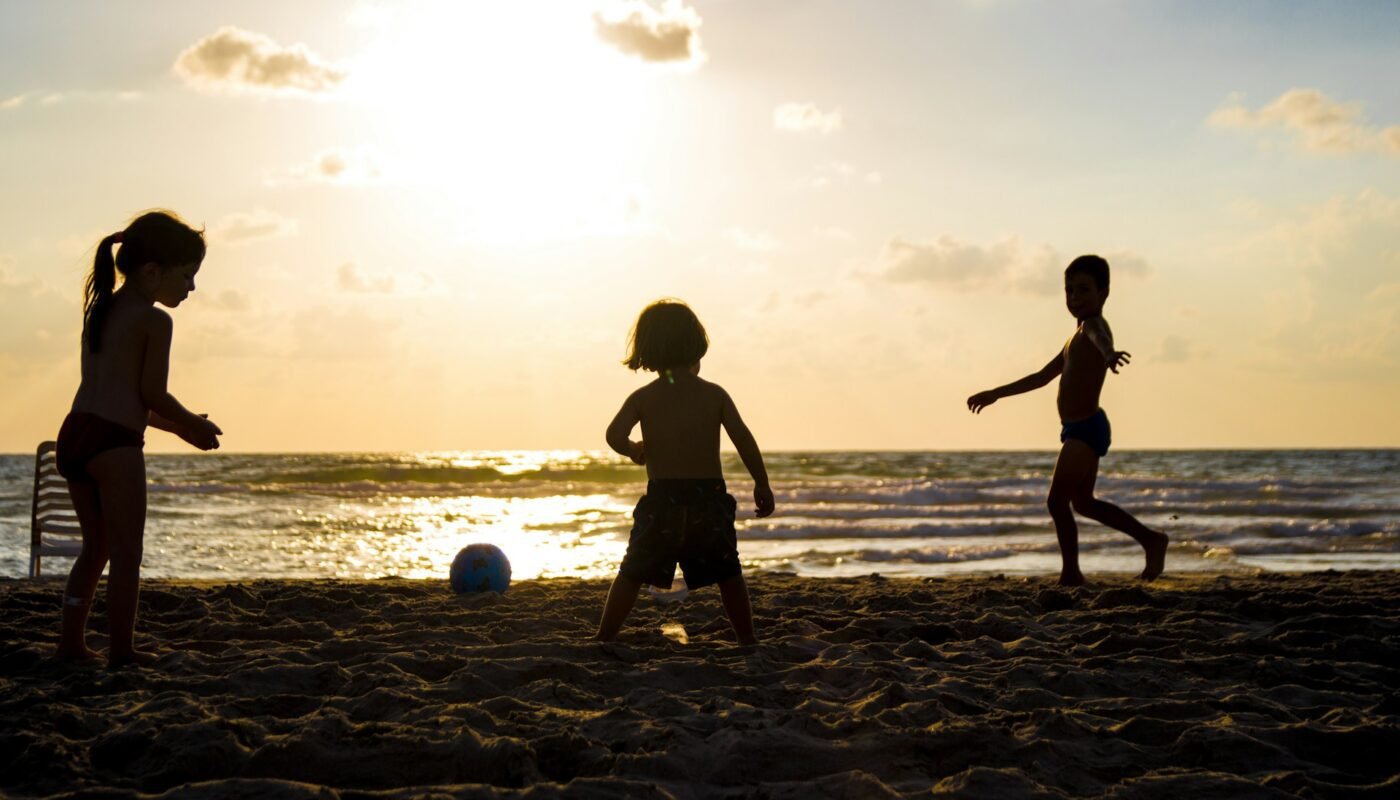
{"x":1199,"y":686}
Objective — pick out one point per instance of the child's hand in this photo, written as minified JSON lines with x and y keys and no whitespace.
{"x":763,"y":500}
{"x":203,"y":435}
{"x":981,"y":400}
{"x":1118,"y":359}
{"x":639,"y":453}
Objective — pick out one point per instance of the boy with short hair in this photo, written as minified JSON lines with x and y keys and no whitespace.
{"x":1081,"y":366}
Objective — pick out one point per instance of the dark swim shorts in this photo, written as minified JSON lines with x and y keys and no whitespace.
{"x":685,"y":521}
{"x":84,"y":436}
{"x":1092,"y":430}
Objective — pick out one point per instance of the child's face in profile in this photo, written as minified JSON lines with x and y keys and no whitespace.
{"x":1083,"y":296}
{"x":175,"y":284}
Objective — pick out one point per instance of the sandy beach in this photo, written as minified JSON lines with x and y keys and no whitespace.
{"x":1201,"y":686}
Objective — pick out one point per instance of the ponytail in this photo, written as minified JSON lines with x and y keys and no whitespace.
{"x":156,"y":237}
{"x":97,"y":293}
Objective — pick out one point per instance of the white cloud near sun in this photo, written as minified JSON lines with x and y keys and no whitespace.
{"x":236,"y":60}
{"x":807,"y":118}
{"x":668,"y":35}
{"x":342,"y":166}
{"x":1322,"y":124}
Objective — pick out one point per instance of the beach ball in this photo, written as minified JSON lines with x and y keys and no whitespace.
{"x":480,"y":568}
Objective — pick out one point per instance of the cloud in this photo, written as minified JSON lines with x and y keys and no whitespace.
{"x":1330,"y":272}
{"x":1175,"y":350}
{"x":339,"y":165}
{"x":841,"y":172}
{"x":351,"y":278}
{"x":668,"y":35}
{"x":806,"y":118}
{"x":1323,"y":125}
{"x":1010,"y":263}
{"x":242,"y":228}
{"x":44,"y":98}
{"x":40,"y":323}
{"x":757,"y":242}
{"x":234,"y":60}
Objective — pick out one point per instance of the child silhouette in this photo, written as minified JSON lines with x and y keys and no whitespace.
{"x":125,"y":364}
{"x":1081,"y":366}
{"x":686,"y":515}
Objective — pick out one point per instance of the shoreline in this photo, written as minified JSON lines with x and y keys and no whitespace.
{"x":1268,"y":685}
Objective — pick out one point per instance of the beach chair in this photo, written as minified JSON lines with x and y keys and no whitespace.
{"x":53,"y":525}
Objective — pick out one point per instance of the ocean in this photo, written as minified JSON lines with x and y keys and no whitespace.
{"x":568,"y":513}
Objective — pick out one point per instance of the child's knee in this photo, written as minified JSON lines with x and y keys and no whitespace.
{"x":1057,"y":502}
{"x":1084,"y":503}
{"x":125,"y":556}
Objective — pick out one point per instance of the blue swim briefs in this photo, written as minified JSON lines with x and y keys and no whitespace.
{"x":1093,"y":430}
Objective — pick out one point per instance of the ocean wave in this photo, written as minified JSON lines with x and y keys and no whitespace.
{"x":864,"y":530}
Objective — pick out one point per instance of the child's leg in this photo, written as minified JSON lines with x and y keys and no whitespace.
{"x":1075,"y":468}
{"x":121,"y":484}
{"x":734,"y":593}
{"x":1154,"y":543}
{"x":621,"y":597}
{"x":86,"y":572}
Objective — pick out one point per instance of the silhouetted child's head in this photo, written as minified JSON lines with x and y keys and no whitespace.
{"x":158,"y":251}
{"x":667,"y":336}
{"x":1086,"y":286}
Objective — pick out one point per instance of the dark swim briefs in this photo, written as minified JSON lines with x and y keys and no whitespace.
{"x":84,"y":436}
{"x":690,"y":521}
{"x":1093,"y":430}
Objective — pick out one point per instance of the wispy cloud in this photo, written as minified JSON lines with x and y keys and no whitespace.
{"x":806,"y":118}
{"x":1322,"y":124}
{"x":1176,"y":350}
{"x":670,"y":34}
{"x":338,"y":165}
{"x":351,"y":278}
{"x":247,"y":227}
{"x":842,"y":172}
{"x":1010,"y":263}
{"x":46,"y":98}
{"x":235,"y":60}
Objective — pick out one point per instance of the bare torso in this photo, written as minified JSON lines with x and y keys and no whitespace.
{"x":680,"y":427}
{"x":111,"y":377}
{"x":1081,"y":380}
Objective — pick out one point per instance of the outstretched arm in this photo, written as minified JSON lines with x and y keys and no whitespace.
{"x":744,"y":442}
{"x":164,"y":411}
{"x":620,"y":431}
{"x":1102,"y":340}
{"x":1031,"y":382}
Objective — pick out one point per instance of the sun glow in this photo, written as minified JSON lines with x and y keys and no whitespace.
{"x":515,"y":115}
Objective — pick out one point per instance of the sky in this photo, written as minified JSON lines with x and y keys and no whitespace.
{"x":432,"y":224}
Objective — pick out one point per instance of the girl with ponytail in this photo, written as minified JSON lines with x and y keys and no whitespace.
{"x":125,"y":365}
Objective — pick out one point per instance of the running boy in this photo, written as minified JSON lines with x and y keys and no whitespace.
{"x":686,"y":515}
{"x":1081,"y":366}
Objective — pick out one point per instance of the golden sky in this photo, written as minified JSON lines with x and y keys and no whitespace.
{"x":432,"y":224}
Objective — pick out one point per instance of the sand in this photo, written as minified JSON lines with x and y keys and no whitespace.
{"x":1194,"y":687}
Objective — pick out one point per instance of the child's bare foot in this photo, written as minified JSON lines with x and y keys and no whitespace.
{"x":76,"y":656}
{"x":1075,"y":578}
{"x":1156,"y":556}
{"x":139,"y":658}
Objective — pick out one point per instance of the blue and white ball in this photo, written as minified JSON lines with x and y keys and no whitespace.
{"x":480,"y":568}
